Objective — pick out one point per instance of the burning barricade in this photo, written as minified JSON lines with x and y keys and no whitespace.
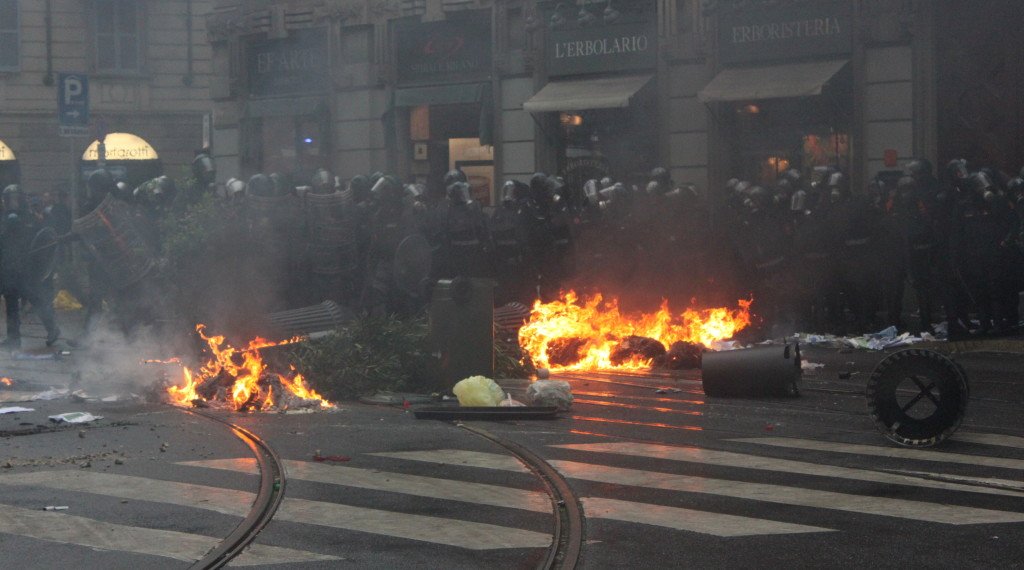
{"x":241,"y":379}
{"x":593,"y":334}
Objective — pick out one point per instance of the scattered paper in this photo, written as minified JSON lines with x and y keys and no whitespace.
{"x":808,"y":365}
{"x":75,"y":418}
{"x":14,"y":410}
{"x":51,"y":394}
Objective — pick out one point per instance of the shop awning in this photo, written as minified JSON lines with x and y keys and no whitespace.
{"x":771,"y":82}
{"x":120,"y":147}
{"x":440,"y":95}
{"x":290,"y":107}
{"x":6,"y":154}
{"x":581,"y":94}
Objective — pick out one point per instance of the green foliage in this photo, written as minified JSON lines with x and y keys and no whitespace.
{"x":189,"y":232}
{"x":368,"y":355}
{"x":509,"y":359}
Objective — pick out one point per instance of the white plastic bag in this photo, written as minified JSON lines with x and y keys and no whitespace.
{"x":478,"y":391}
{"x":550,"y":393}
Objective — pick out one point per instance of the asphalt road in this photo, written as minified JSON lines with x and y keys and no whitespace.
{"x":667,"y":479}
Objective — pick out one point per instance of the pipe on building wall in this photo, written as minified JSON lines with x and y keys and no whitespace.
{"x":48,"y":78}
{"x":189,"y":75}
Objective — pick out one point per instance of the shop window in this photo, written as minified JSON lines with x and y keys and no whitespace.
{"x":292,"y":145}
{"x":357,"y":44}
{"x":477,"y":161}
{"x":117,"y":40}
{"x":9,"y":35}
{"x":808,"y":134}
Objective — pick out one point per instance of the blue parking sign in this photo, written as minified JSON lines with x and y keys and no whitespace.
{"x":73,"y":99}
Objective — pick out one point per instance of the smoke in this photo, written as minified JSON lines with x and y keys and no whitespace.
{"x":112,"y":363}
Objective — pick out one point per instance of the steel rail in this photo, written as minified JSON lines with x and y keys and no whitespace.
{"x":567,"y":535}
{"x":268,"y":499}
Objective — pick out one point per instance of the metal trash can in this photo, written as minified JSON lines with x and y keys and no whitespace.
{"x":752,"y":372}
{"x":461,"y":318}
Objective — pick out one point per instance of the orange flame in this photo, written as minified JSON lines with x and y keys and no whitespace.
{"x":245,"y":368}
{"x":6,"y":381}
{"x":597,"y":326}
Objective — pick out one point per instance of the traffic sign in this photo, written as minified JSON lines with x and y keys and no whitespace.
{"x":73,"y":100}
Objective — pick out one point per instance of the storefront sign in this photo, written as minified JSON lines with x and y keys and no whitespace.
{"x":448,"y":51}
{"x":797,"y":30}
{"x":627,"y":43}
{"x":296,"y":64}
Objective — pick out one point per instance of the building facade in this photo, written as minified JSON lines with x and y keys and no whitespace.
{"x":711,"y":89}
{"x":147,"y":70}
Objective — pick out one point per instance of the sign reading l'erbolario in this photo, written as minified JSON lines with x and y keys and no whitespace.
{"x":787,"y":30}
{"x":627,"y":43}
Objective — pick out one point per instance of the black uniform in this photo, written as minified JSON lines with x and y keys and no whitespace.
{"x":21,"y":280}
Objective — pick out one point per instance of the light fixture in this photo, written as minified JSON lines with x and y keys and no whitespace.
{"x":570,"y":119}
{"x":749,"y":109}
{"x":557,"y":19}
{"x":307,"y":140}
{"x":611,"y":15}
{"x":585,"y":17}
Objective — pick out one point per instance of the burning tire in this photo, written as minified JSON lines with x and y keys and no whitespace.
{"x":902,"y":399}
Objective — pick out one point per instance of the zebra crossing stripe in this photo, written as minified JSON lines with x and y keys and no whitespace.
{"x":899,"y":508}
{"x":461,"y":457}
{"x":432,"y":487}
{"x":451,"y":532}
{"x":880,"y":506}
{"x":996,"y":439}
{"x":81,"y":531}
{"x":893,"y":452}
{"x":688,"y":519}
{"x":729,"y":459}
{"x":990,"y":481}
{"x":681,"y":519}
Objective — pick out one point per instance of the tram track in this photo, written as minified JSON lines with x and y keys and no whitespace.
{"x":268,"y":498}
{"x":567,"y":532}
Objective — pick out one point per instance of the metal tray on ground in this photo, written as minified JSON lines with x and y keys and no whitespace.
{"x":485,"y":413}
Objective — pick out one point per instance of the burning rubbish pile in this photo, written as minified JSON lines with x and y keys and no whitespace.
{"x":593,"y":334}
{"x":239,"y":379}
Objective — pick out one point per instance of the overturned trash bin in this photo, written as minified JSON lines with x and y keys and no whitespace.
{"x":917,"y":397}
{"x":461,"y":319}
{"x":752,"y":372}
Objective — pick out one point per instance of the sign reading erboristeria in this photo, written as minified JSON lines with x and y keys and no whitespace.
{"x":446,"y":51}
{"x":626,"y":43}
{"x":798,"y":30}
{"x":296,"y":64}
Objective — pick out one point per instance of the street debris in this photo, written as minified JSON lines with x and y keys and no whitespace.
{"x":508,"y":402}
{"x":74,"y":418}
{"x":53,"y":508}
{"x":555,"y":393}
{"x":330,"y":458}
{"x":478,"y":391}
{"x":881,"y":340}
{"x":808,"y":365}
{"x":667,"y":391}
{"x":14,"y":410}
{"x":51,"y":394}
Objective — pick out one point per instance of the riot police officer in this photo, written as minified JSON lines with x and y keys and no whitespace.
{"x":913,"y":218}
{"x":465,"y":241}
{"x":23,"y":274}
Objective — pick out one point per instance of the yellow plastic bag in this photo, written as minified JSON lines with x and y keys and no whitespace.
{"x":478,"y":391}
{"x":65,"y":301}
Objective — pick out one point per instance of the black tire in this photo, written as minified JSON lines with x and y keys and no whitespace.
{"x":927,"y":372}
